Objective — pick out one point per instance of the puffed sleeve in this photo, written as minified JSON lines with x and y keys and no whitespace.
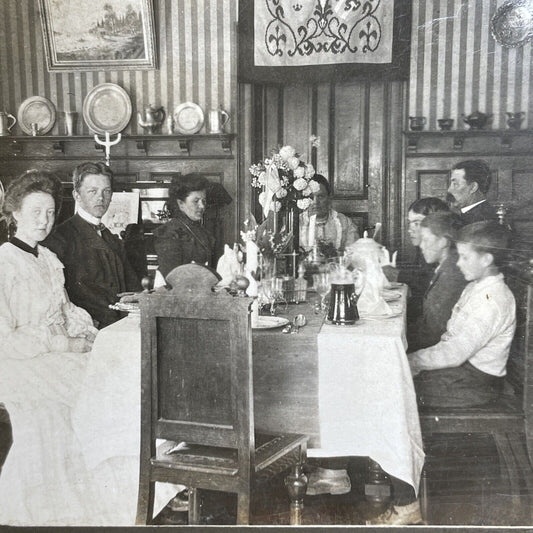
{"x":21,"y":342}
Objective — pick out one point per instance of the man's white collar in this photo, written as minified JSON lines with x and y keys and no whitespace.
{"x":87,"y":216}
{"x":468,"y":207}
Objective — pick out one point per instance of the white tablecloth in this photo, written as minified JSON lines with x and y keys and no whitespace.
{"x":107,"y":421}
{"x":367,"y":401}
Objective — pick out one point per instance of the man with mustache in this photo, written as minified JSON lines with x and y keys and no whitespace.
{"x":469,"y":184}
{"x":96,"y":267}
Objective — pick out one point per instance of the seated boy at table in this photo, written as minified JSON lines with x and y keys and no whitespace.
{"x":467,"y":366}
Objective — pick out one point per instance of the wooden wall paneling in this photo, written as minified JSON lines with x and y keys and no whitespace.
{"x":432,"y":183}
{"x":272,"y":118}
{"x":347,"y":164}
{"x":245,"y":149}
{"x":297,"y":118}
{"x":323,"y":111}
{"x":377,"y":153}
{"x":394,"y":119}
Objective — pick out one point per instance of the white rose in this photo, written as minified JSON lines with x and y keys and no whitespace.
{"x":314,"y":186}
{"x":307,"y":191}
{"x":293,"y":162}
{"x":287,"y":151}
{"x":275,"y":206}
{"x":299,"y":172}
{"x":281,"y":193}
{"x":300,"y":184}
{"x":262,"y":178}
{"x":309,"y":170}
{"x":262,"y":198}
{"x":304,"y":203}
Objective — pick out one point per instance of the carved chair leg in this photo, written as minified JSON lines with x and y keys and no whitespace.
{"x":424,"y":496}
{"x":243,"y":508}
{"x":377,"y":486}
{"x":296,"y":483}
{"x":194,"y":506}
{"x":145,"y":502}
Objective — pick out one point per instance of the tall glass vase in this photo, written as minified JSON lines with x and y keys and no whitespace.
{"x":291,"y":221}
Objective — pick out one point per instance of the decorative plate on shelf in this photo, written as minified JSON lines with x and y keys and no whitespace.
{"x":270,"y":322}
{"x":188,"y":118}
{"x":38,"y":110}
{"x":107,"y":107}
{"x":512,"y":24}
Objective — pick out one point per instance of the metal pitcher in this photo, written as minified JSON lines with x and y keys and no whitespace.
{"x":5,"y":127}
{"x":217,"y":120}
{"x":343,"y":304}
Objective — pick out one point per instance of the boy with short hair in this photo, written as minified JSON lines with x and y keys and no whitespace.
{"x":467,"y":366}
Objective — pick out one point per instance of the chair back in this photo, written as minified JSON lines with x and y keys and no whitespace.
{"x":197,"y":364}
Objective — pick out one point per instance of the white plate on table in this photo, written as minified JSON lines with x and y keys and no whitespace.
{"x":389,"y":296}
{"x":38,"y":110}
{"x":270,"y":322}
{"x":130,"y":308}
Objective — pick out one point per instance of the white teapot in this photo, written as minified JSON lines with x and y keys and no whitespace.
{"x":369,"y":255}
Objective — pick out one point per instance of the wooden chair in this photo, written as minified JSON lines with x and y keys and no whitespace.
{"x":508,"y":420}
{"x":197,"y":389}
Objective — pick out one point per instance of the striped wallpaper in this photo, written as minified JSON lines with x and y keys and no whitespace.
{"x":196,"y":44}
{"x":457,"y":67}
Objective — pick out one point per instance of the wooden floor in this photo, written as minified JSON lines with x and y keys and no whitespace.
{"x":465,"y":488}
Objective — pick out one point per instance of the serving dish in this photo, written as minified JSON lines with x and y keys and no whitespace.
{"x":270,"y":322}
{"x":36,"y":110}
{"x":188,"y":118}
{"x":107,"y":107}
{"x":512,"y":24}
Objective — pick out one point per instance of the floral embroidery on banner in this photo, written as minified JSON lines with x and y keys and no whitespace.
{"x":310,"y":32}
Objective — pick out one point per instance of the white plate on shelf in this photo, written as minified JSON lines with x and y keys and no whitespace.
{"x":270,"y":322}
{"x":107,"y":107}
{"x":188,"y":118}
{"x":39,"y":110}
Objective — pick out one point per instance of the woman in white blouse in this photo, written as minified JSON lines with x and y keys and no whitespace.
{"x":44,"y":343}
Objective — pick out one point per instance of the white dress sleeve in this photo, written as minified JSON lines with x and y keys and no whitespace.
{"x":468,"y":330}
{"x":20,"y":342}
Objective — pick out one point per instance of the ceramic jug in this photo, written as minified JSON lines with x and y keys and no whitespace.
{"x":217,"y":119}
{"x":514,"y":120}
{"x":417,"y":123}
{"x":5,"y":127}
{"x":153,"y":118}
{"x":477,"y":120}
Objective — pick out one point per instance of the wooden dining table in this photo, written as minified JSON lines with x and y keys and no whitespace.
{"x":348,"y":387}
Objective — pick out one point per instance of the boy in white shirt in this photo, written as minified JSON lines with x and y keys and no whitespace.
{"x":467,"y":366}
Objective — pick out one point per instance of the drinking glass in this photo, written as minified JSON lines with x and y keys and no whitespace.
{"x":322,"y":286}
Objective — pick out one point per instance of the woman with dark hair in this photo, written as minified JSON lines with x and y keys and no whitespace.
{"x":419,"y":275}
{"x":44,"y":340}
{"x":322,"y":225}
{"x":438,"y":237}
{"x":183,"y":239}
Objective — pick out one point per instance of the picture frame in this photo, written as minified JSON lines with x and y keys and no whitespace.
{"x":101,"y":34}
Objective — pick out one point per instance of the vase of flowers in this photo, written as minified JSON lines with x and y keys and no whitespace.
{"x":286,"y":189}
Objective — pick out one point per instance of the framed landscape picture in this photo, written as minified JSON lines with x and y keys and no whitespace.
{"x":114,"y":34}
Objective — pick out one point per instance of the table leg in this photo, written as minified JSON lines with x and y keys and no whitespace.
{"x":377,"y":486}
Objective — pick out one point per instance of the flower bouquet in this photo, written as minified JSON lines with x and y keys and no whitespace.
{"x":284,"y":179}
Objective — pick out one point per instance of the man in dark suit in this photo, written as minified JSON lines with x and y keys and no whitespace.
{"x":96,"y":267}
{"x":469,"y":184}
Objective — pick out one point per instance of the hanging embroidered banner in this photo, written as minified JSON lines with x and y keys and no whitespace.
{"x":295,"y":33}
